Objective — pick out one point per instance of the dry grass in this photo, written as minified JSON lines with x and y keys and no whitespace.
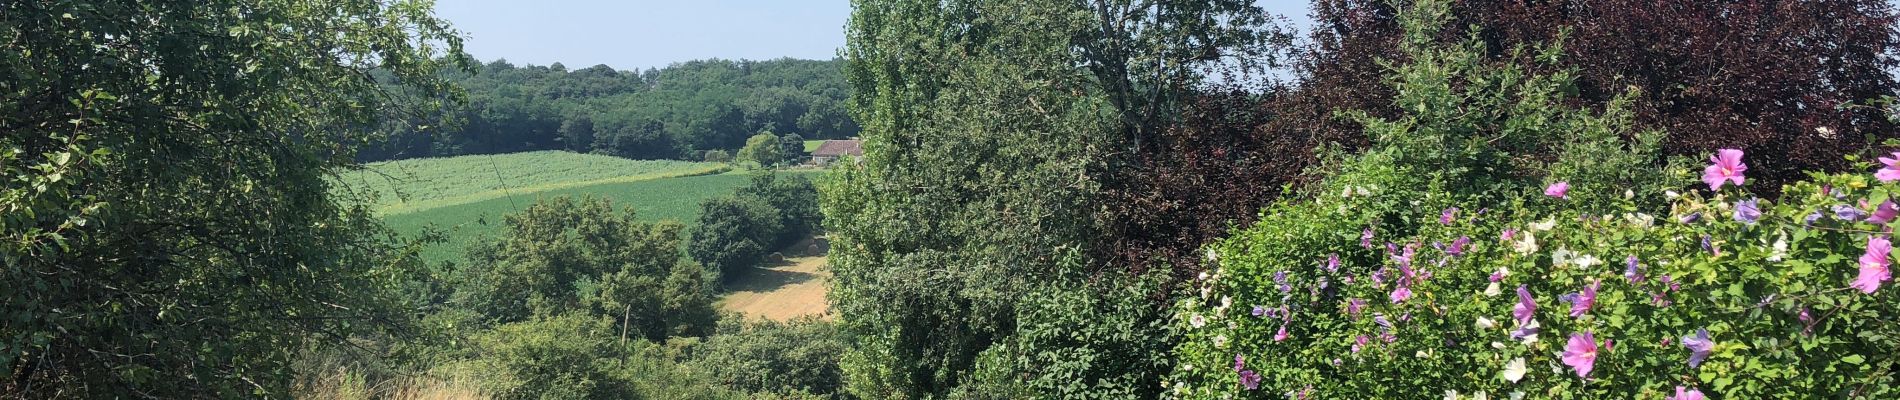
{"x":342,"y":383}
{"x":788,"y":290}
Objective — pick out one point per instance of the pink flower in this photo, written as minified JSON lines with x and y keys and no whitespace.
{"x":1281,"y":336}
{"x":1726,"y":166}
{"x":1582,"y":303}
{"x":1450,"y":214}
{"x":1581,"y":353}
{"x":1559,"y":190}
{"x":1332,"y":263}
{"x":1874,"y":265}
{"x":1526,"y":306}
{"x":1250,"y":379}
{"x":1401,"y":294}
{"x":1890,"y":171}
{"x":1687,"y":394}
{"x":1884,"y":214}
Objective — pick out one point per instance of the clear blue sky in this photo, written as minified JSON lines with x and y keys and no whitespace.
{"x":639,"y":34}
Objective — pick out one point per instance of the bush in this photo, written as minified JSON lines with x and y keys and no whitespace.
{"x":573,"y":356}
{"x":762,"y":149}
{"x":562,"y":255}
{"x":734,"y":234}
{"x":1396,"y":277}
{"x":718,"y":156}
{"x":794,"y":200}
{"x":797,"y":357}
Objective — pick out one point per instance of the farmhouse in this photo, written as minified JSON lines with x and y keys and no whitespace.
{"x":832,"y":149}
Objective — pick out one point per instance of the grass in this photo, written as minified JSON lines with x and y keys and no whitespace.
{"x":416,"y":185}
{"x":812,"y":145}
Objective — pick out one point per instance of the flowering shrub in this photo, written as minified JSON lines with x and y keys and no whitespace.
{"x":1439,"y":264}
{"x":1726,"y":294}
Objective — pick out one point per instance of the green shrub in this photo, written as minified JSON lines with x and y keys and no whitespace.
{"x":734,"y":234}
{"x":789,"y":358}
{"x":793,"y":198}
{"x":574,"y":356}
{"x":1396,"y":279}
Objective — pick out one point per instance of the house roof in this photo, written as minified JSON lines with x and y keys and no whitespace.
{"x":834,"y":148}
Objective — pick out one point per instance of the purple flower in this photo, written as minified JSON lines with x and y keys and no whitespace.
{"x":1259,"y":311}
{"x":1687,"y":394}
{"x":1525,"y":330}
{"x":1884,"y":213}
{"x":1365,"y":238}
{"x":1457,"y":247}
{"x":1280,"y":278}
{"x":1445,"y":217}
{"x":1814,"y":216}
{"x":1889,"y":172}
{"x":1401,"y":294}
{"x":1747,"y":211}
{"x":1848,"y":213}
{"x":1559,"y":190}
{"x":1699,"y":346}
{"x":1582,"y":302}
{"x":1874,"y":265}
{"x":1359,"y":343}
{"x":1632,"y":272}
{"x":1725,"y":166}
{"x":1507,"y":235}
{"x":1332,"y":263}
{"x":1354,"y":306}
{"x":1380,"y":319}
{"x":1526,"y":306}
{"x":1250,"y":379}
{"x":1581,"y":353}
{"x":1240,"y":363}
{"x":1280,"y":336}
{"x":1691,"y":218}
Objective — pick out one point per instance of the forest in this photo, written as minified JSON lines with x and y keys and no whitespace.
{"x":678,"y":112}
{"x":1094,"y":199}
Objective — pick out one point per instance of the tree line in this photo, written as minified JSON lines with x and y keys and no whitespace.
{"x":682,"y":111}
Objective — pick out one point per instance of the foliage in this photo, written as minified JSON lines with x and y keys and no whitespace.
{"x":573,"y":356}
{"x":672,"y":112}
{"x":990,"y":128}
{"x":793,"y":199}
{"x":1711,"y":74}
{"x":733,"y":235}
{"x":167,"y":228}
{"x":561,"y":256}
{"x":1419,"y":302}
{"x":718,"y":156}
{"x":762,"y":150}
{"x":796,"y":357}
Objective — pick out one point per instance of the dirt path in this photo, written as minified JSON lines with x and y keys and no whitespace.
{"x":791,"y":289}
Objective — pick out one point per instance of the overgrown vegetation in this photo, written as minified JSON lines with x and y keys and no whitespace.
{"x":737,"y":232}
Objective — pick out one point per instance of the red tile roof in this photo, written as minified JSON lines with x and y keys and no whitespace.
{"x":834,"y":148}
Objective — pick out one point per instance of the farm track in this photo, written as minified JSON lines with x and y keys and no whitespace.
{"x":790,"y":289}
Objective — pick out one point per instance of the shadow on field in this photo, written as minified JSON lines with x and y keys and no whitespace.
{"x":769,"y":278}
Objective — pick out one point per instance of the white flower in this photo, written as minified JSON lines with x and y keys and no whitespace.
{"x":1586,"y":261}
{"x":1517,"y":395}
{"x":1497,"y":345}
{"x":1526,"y":243}
{"x":1561,"y":256}
{"x":1492,"y":290}
{"x":1486,"y":323}
{"x":1226,"y":302}
{"x":1345,"y":192}
{"x":1480,"y":395}
{"x":1780,"y":248}
{"x":1197,"y":321}
{"x":1203,"y":275}
{"x":1220,"y":341}
{"x":1211,"y":257}
{"x":1629,"y":194}
{"x":1671,"y":194}
{"x":1514,"y":370}
{"x":1640,"y":220}
{"x":1364,"y":192}
{"x":1544,"y":226}
{"x":1451,"y":394}
{"x":1826,"y":133}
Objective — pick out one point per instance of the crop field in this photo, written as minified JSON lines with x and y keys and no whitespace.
{"x":407,"y":186}
{"x":462,"y":197}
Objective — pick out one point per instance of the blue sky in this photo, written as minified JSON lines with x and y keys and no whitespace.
{"x":639,"y":34}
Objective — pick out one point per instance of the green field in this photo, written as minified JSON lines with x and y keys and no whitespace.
{"x":812,"y":145}
{"x":406,"y":186}
{"x":460,"y":196}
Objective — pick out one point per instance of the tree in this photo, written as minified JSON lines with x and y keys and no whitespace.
{"x":563,"y":256}
{"x":734,"y":234}
{"x":990,"y":129}
{"x":718,"y":156}
{"x":793,"y":199}
{"x":167,"y":225}
{"x":791,"y":148}
{"x":577,"y":134}
{"x":762,"y":149}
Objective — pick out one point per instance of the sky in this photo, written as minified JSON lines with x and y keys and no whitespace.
{"x":641,"y":34}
